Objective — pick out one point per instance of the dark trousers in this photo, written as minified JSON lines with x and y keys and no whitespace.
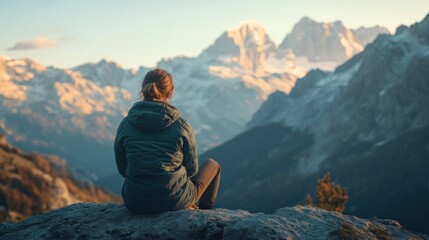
{"x":206,"y":183}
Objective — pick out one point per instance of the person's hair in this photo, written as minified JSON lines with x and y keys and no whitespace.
{"x":157,"y":84}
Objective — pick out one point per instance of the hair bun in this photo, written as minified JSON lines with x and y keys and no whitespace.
{"x":157,"y":84}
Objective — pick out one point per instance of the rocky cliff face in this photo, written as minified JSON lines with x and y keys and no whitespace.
{"x":112,"y":221}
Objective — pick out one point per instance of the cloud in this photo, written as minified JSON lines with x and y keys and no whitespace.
{"x":38,"y":43}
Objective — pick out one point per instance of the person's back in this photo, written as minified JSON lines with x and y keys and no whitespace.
{"x":155,"y":151}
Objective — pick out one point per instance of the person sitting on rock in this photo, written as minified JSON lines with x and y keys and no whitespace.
{"x":156,"y":153}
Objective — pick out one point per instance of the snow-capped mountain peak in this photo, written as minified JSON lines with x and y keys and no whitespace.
{"x":328,"y":42}
{"x":248,"y":45}
{"x":252,"y":32}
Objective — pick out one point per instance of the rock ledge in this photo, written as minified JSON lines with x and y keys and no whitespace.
{"x":113,"y":221}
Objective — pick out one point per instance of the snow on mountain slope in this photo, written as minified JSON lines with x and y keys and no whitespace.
{"x":74,"y":112}
{"x":371,"y":98}
{"x":219,"y":90}
{"x":58,"y":111}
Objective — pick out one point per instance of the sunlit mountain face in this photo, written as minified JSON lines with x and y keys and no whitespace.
{"x":74,"y":112}
{"x":60,"y":112}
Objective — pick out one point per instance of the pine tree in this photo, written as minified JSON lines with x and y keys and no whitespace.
{"x":330,"y":196}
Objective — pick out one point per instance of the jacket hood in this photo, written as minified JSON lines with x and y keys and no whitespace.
{"x":152,"y":116}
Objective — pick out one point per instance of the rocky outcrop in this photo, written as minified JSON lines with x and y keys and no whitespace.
{"x":113,"y":221}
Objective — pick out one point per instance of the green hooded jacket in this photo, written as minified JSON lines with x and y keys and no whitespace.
{"x":155,"y":150}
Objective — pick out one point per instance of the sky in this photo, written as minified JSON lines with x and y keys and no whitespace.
{"x":139,"y":32}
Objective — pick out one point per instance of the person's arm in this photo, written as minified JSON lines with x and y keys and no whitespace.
{"x":190,"y":155}
{"x":120,"y":156}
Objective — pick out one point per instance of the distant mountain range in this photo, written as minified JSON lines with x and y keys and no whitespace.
{"x":220,"y":90}
{"x":367,"y":123}
{"x":33,"y":183}
{"x":74,"y":112}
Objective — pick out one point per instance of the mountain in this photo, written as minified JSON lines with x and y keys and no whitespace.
{"x":230,"y":79}
{"x":373,"y":97}
{"x":386,"y":181}
{"x":32,"y":183}
{"x":74,"y":112}
{"x":58,"y":111}
{"x":366,"y":123}
{"x":221,"y":89}
{"x":105,"y":73}
{"x":327,"y":44}
{"x":108,"y":73}
{"x":366,"y":35}
{"x":249,"y":46}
